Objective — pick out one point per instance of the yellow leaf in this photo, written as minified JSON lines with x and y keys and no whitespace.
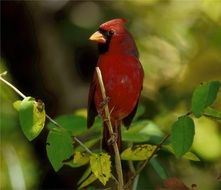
{"x":81,"y":112}
{"x":39,"y":117}
{"x":101,"y":166}
{"x":17,"y":104}
{"x":138,"y":152}
{"x":190,"y":156}
{"x":80,"y":159}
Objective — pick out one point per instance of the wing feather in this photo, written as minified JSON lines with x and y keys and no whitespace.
{"x":91,"y":109}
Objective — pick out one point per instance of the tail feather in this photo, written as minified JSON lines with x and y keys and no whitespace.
{"x":106,"y":145}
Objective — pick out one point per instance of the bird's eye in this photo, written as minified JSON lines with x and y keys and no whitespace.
{"x":111,"y":32}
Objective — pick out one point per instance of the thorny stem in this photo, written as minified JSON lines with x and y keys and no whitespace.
{"x":47,"y":116}
{"x":143,"y":164}
{"x":108,"y":121}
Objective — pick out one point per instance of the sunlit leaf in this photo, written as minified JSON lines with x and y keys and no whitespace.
{"x":73,"y":123}
{"x":80,"y":159}
{"x":207,"y":140}
{"x":101,"y":166}
{"x":158,"y":168}
{"x":138,"y":152}
{"x":141,"y":131}
{"x":182,"y":135}
{"x":210,"y":112}
{"x":88,"y":181}
{"x":203,"y":96}
{"x":17,"y":104}
{"x":39,"y":117}
{"x":81,"y":112}
{"x":190,"y":156}
{"x":31,"y":116}
{"x":59,"y":147}
{"x":187,"y":155}
{"x":212,"y":8}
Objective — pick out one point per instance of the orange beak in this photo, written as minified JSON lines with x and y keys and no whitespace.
{"x":97,"y":37}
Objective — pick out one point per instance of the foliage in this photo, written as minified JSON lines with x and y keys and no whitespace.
{"x":182,"y":135}
{"x":59,"y":147}
{"x":31,"y":116}
{"x":204,"y":96}
{"x":101,"y":166}
{"x":179,"y":45}
{"x":64,"y":129}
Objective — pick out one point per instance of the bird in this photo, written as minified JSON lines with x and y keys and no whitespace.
{"x":122,"y":75}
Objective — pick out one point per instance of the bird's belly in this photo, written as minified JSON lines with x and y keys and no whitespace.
{"x":123,"y":90}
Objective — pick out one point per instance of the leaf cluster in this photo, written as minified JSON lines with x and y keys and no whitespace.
{"x":63,"y":149}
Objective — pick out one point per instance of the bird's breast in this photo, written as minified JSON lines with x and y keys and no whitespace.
{"x":122,"y":77}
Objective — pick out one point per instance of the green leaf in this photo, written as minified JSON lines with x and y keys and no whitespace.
{"x":158,"y":168}
{"x":138,"y":152}
{"x":85,"y":175}
{"x":187,"y":155}
{"x":182,"y":135}
{"x":75,"y":124}
{"x":31,"y":116}
{"x":141,"y":131}
{"x":210,"y":112}
{"x":59,"y":147}
{"x":17,"y":104}
{"x":79,"y":159}
{"x":101,"y":166}
{"x":203,"y":96}
{"x":190,"y":156}
{"x":88,"y":181}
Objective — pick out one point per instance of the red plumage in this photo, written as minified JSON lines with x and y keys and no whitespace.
{"x":122,"y":76}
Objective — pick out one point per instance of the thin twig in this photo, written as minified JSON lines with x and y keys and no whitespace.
{"x":131,"y":166}
{"x":86,"y":148}
{"x":47,"y":116}
{"x":11,"y":86}
{"x":3,"y":74}
{"x":143,"y":164}
{"x":108,"y":121}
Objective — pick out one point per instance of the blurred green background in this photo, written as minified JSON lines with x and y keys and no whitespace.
{"x":45,"y":49}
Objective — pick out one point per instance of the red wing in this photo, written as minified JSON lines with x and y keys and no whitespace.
{"x":127,"y":120}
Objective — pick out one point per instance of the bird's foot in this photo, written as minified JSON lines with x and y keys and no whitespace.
{"x":112,"y":139}
{"x":105,"y":102}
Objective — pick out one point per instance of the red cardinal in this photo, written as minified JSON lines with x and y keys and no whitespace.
{"x":122,"y":76}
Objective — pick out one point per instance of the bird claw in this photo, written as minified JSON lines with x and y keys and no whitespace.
{"x":112,"y":139}
{"x":105,"y":102}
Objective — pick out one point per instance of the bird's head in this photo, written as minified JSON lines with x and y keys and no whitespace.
{"x":112,"y":36}
{"x":108,"y":30}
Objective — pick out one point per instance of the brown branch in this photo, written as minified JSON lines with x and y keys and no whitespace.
{"x":108,"y":122}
